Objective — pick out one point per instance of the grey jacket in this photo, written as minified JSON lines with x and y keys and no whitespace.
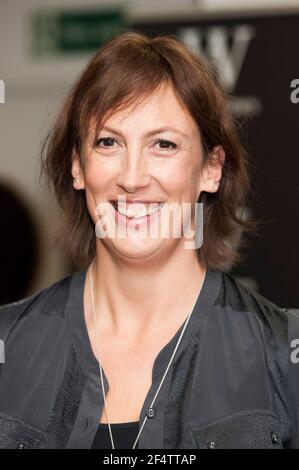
{"x":233,"y":382}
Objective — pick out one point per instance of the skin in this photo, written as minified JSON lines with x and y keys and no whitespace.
{"x":135,"y":278}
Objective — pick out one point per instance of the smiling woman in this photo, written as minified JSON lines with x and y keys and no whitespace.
{"x":148,"y":344}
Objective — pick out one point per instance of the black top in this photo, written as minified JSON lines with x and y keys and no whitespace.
{"x":124,"y":436}
{"x":233,"y":381}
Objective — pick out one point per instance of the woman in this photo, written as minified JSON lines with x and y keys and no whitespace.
{"x":149,"y":344}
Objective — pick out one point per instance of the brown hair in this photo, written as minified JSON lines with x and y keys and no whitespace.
{"x":123,"y":72}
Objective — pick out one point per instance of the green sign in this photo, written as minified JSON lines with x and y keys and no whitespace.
{"x":74,"y":32}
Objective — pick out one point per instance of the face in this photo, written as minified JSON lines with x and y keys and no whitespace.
{"x":149,"y":153}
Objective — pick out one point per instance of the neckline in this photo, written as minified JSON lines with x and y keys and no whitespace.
{"x":75,"y":307}
{"x":131,"y":424}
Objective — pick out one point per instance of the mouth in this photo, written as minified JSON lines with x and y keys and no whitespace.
{"x":139,"y":211}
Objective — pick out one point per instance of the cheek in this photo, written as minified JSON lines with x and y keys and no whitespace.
{"x":177,"y":179}
{"x":97,"y":177}
{"x":98,"y":181}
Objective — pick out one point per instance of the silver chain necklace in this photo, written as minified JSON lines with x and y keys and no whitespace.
{"x":100,"y":367}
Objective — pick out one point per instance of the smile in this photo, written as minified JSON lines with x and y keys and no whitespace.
{"x":136,"y":211}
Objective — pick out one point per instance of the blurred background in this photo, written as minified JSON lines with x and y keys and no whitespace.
{"x":43,"y":47}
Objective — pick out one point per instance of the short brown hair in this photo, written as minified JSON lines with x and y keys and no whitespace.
{"x":124,"y":71}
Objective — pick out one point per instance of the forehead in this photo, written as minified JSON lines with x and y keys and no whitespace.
{"x":161,"y":108}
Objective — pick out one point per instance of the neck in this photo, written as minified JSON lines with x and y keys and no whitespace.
{"x":141,"y":296}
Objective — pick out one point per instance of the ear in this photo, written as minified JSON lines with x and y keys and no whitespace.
{"x":77,"y":173}
{"x":212,"y":170}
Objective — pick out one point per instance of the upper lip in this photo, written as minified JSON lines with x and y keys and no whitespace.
{"x":132,"y":201}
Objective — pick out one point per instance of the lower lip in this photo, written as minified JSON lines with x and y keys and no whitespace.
{"x":147,"y":219}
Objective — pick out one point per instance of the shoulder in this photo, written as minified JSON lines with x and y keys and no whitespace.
{"x":51,"y":299}
{"x":237,"y":297}
{"x":277,"y":326}
{"x":255,"y":315}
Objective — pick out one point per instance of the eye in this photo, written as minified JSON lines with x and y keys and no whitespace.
{"x":165,"y":144}
{"x":104,"y":140}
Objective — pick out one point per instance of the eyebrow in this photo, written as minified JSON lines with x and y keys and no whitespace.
{"x":149,"y":133}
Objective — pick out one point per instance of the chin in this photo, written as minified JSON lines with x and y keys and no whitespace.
{"x":137,"y":249}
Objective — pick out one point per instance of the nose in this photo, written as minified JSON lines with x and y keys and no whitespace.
{"x":134,"y":173}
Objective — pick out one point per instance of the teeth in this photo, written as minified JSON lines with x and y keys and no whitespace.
{"x":137,"y":210}
{"x":132,"y":210}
